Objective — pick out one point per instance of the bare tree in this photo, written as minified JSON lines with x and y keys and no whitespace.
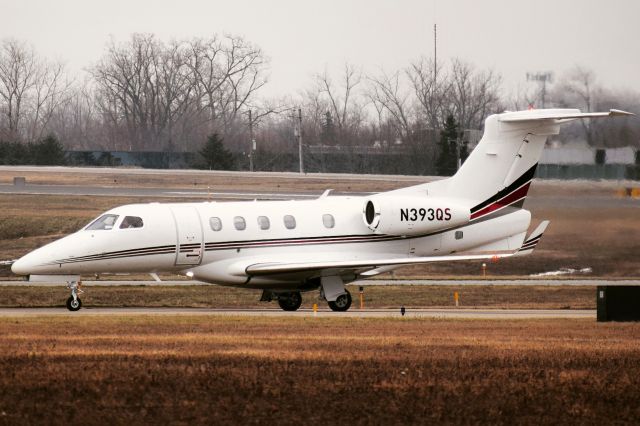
{"x":343,"y":102}
{"x":30,"y":90}
{"x":18,"y":66}
{"x":473,"y":94}
{"x":578,"y":88}
{"x":431,"y":87}
{"x":226,"y":73}
{"x":144,"y":85}
{"x":389,"y":97}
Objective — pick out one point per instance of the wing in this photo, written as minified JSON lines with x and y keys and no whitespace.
{"x":373,"y":266}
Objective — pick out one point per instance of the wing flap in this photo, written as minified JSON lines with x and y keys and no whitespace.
{"x":270,"y":268}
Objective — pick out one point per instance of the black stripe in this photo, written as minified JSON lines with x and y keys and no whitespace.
{"x":77,"y":260}
{"x":325,"y":237}
{"x":145,"y":250}
{"x":533,"y":240}
{"x":527,"y":176}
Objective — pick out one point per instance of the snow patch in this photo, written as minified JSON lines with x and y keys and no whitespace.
{"x":563,"y":271}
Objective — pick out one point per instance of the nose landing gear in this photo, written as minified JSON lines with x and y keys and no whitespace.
{"x":73,"y":302}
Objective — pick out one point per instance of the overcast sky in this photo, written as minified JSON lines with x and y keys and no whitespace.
{"x":303,"y":37}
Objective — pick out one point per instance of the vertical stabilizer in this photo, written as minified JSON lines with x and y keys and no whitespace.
{"x":499,"y":170}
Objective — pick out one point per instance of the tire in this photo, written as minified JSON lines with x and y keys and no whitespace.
{"x":290,"y":301}
{"x":342,"y":303}
{"x":74,"y":305}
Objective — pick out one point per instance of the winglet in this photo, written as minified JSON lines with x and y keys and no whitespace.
{"x":533,"y":240}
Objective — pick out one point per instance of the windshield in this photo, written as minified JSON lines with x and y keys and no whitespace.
{"x":104,"y":222}
{"x":131,"y":222}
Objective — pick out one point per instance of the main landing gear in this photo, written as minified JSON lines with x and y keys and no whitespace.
{"x":342,"y":302}
{"x":333,"y":291}
{"x":290,"y":301}
{"x":73,"y":302}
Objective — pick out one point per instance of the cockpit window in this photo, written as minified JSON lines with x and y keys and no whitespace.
{"x":131,"y":222}
{"x":104,"y":222}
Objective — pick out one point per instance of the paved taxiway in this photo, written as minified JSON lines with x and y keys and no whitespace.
{"x":198,"y":193}
{"x":305,"y":313}
{"x":522,"y":282}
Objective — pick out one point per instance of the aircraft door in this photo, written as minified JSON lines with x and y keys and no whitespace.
{"x":189,"y":235}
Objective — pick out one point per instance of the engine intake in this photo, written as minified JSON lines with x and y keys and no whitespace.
{"x":407,"y":215}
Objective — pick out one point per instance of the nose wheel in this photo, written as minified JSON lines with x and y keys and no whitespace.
{"x":73,"y":302}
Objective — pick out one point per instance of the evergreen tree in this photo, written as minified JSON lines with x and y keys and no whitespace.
{"x":215,"y":155}
{"x":48,"y":152}
{"x":447,"y":163}
{"x":328,"y":133}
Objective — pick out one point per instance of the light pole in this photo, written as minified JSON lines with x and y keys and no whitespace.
{"x":542,"y":78}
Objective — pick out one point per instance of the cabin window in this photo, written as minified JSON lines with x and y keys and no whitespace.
{"x":263,"y":222}
{"x":131,"y":222}
{"x":215,"y":223}
{"x":328,"y":220}
{"x":103,"y":223}
{"x":239,"y":223}
{"x":459,"y":235}
{"x":289,"y":222}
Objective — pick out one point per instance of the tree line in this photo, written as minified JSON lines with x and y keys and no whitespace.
{"x":146,"y":94}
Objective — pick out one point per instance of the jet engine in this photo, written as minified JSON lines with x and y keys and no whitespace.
{"x":407,"y":215}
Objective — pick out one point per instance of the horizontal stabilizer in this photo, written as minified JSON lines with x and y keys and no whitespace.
{"x":533,"y":240}
{"x":270,"y":268}
{"x":557,"y":114}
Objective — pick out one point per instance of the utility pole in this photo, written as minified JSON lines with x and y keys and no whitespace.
{"x":252,"y":148}
{"x":300,"y":158}
{"x":435,"y":53}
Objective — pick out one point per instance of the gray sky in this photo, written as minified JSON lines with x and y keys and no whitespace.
{"x":303,"y":37}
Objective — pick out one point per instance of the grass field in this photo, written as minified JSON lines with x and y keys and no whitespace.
{"x":230,"y":370}
{"x":500,"y":297}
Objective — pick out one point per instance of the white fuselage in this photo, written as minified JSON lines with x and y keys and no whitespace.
{"x":207,"y":241}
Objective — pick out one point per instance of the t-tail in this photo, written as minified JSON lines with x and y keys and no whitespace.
{"x":499,"y":170}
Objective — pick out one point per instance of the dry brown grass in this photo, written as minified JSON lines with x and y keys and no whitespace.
{"x":228,"y":370}
{"x":503,"y":297}
{"x":215,"y":180}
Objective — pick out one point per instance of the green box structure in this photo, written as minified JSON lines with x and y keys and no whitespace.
{"x":618,"y":303}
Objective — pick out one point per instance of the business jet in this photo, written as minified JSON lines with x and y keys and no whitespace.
{"x":285,"y":248}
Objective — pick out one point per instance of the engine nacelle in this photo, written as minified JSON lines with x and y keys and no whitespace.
{"x":406,"y":215}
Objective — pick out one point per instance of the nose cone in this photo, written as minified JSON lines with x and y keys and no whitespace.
{"x":26,"y":265}
{"x":42,"y":260}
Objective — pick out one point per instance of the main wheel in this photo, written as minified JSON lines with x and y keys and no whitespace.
{"x":342,"y":303}
{"x":74,"y":305}
{"x":290,"y":301}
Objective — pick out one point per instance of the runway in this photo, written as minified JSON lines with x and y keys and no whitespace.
{"x":497,"y":314}
{"x":199,"y":193}
{"x":381,"y":282}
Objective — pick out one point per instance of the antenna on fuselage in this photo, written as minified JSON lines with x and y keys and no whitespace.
{"x":325,"y":194}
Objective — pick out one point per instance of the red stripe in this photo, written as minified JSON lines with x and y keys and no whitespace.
{"x":504,"y":201}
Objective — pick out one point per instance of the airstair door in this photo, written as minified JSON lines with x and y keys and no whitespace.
{"x":189,"y":233}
